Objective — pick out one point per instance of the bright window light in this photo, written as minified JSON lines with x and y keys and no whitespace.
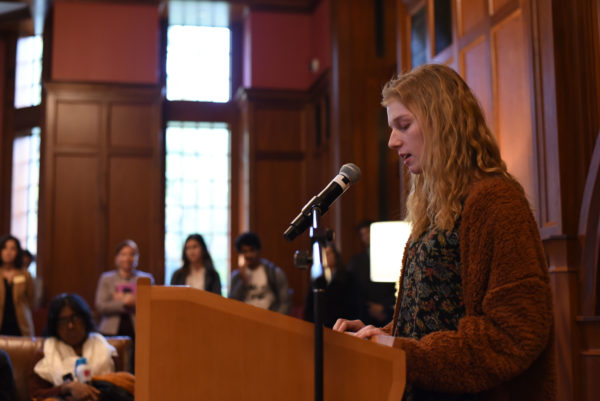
{"x":28,"y":73}
{"x":25,"y":191}
{"x":388,"y":239}
{"x":198,"y":63}
{"x":197,"y":192}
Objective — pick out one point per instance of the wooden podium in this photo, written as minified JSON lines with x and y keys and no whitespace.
{"x":195,"y":345}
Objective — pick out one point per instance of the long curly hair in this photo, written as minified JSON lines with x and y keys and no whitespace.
{"x":458,"y":146}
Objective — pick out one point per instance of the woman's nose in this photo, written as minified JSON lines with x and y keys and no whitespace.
{"x":395,"y":140}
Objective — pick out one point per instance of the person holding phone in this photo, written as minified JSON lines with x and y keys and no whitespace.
{"x":115,"y":295}
{"x":70,"y":335}
{"x":258,"y":281}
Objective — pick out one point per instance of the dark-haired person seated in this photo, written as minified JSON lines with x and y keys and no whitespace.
{"x":70,"y":335}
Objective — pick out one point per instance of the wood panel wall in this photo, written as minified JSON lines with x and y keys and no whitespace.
{"x":295,"y":142}
{"x":272,"y":170}
{"x":365,"y":53}
{"x":490,"y":50}
{"x":567,"y":121}
{"x":101,"y":182}
{"x":589,"y":319}
{"x":8,"y":51}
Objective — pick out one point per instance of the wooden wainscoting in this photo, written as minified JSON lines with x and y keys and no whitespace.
{"x":273,"y":169}
{"x":101,"y":182}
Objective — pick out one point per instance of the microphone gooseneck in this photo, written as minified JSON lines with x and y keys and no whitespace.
{"x":348,"y":175}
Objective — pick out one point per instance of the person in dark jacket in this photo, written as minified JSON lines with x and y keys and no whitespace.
{"x":341,"y":298}
{"x":258,"y":281}
{"x":377,"y":300}
{"x":198,"y":270}
{"x":7,"y":381}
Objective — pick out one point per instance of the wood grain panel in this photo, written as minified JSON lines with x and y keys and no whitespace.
{"x":470,"y":14}
{"x":512,"y":99}
{"x":76,"y":227}
{"x":78,"y":123}
{"x":564,"y":286}
{"x":279,"y":129}
{"x":591,"y":365}
{"x":589,"y":232}
{"x":131,"y":211}
{"x":496,"y":5}
{"x":357,"y":78}
{"x":279,"y":194}
{"x":81,"y":170}
{"x":475,"y":68}
{"x":133,"y":125}
{"x":269,"y":355}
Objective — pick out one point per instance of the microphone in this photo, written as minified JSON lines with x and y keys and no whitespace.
{"x":348,"y":175}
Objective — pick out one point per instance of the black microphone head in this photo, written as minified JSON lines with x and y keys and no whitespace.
{"x":350,"y":171}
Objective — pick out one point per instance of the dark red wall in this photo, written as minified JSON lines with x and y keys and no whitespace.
{"x":109,"y":42}
{"x":278,"y":48}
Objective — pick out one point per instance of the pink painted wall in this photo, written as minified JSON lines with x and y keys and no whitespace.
{"x":105,"y":42}
{"x":247,"y":54}
{"x":321,"y":37}
{"x":278,"y":48}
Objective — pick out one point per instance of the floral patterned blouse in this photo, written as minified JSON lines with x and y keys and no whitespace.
{"x":432,"y":296}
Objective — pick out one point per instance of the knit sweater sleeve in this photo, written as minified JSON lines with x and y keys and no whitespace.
{"x":507,"y":299}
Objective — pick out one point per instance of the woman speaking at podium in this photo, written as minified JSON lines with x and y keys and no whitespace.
{"x":474,"y":311}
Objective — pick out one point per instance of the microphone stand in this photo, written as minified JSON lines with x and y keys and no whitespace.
{"x":318,"y":237}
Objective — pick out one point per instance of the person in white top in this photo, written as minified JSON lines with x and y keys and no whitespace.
{"x":258,"y":281}
{"x":70,"y":335}
{"x":198,"y":270}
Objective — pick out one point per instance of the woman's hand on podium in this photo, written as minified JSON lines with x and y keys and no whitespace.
{"x":356,"y":328}
{"x":344,"y":325}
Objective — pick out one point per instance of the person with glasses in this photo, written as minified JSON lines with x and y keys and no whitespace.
{"x":71,"y":334}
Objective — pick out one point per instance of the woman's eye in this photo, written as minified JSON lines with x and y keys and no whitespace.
{"x":404,"y":127}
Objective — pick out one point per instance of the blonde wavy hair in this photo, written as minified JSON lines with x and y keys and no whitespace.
{"x":458,"y":146}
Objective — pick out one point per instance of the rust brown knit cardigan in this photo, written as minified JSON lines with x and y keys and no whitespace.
{"x":503,"y":347}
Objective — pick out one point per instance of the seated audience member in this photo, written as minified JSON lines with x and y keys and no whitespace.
{"x":377,"y":300}
{"x":70,"y":336}
{"x":258,"y":281}
{"x":198,"y":270}
{"x":16,"y":290}
{"x":340,"y":299}
{"x":7,"y":381}
{"x":115,"y":295}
